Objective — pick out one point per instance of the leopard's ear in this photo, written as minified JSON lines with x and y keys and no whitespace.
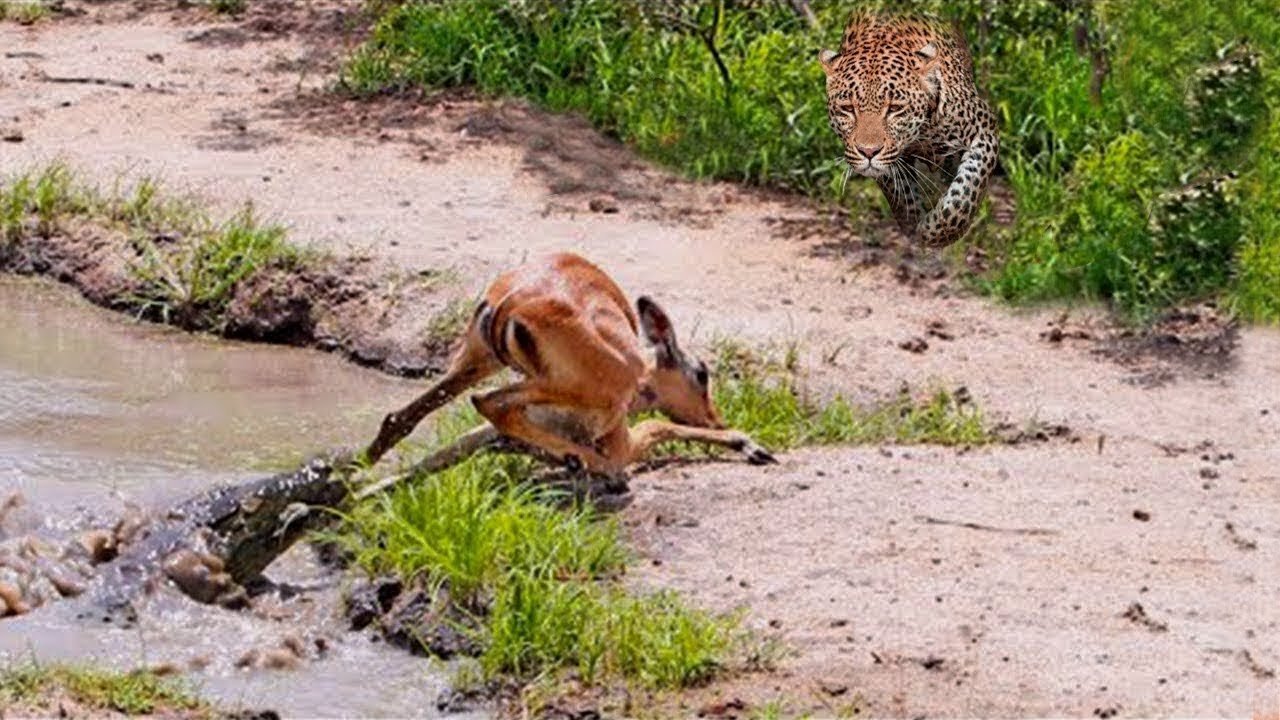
{"x":930,"y":70}
{"x":828,"y":60}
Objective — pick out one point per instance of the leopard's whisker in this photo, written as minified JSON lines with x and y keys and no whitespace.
{"x":936,"y":165}
{"x":923,"y":179}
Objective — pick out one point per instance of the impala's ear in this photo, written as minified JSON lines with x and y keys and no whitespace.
{"x":658,"y":330}
{"x":828,"y":59}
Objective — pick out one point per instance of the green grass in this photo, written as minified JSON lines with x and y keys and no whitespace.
{"x":1100,"y":180}
{"x":187,"y":265}
{"x":35,"y":202}
{"x":193,"y":283}
{"x":451,"y":320}
{"x":134,"y":693}
{"x":657,"y":90}
{"x":1117,"y":201}
{"x":766,"y":401}
{"x":541,"y":581}
{"x":1255,"y":294}
{"x":24,"y":12}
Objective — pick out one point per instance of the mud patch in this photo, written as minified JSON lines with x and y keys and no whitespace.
{"x":1255,"y":668}
{"x":1009,"y":433}
{"x":868,"y":242}
{"x":1198,"y":342}
{"x":232,"y":133}
{"x":328,"y":24}
{"x":1137,"y":615}
{"x":1195,"y":342}
{"x":584,"y":171}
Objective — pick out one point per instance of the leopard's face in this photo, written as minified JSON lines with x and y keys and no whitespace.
{"x":879,"y":104}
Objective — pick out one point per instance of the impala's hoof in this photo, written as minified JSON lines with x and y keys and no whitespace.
{"x":757,"y":455}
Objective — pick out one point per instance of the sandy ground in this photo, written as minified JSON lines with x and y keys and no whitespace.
{"x":859,"y":560}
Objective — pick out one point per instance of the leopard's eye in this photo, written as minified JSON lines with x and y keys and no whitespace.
{"x":896,"y":108}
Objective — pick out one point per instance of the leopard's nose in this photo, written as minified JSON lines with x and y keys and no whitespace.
{"x":870,"y":151}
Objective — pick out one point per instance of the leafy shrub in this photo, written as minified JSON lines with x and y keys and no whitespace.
{"x":1224,"y":101}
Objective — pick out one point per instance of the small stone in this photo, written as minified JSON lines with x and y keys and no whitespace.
{"x":429,"y":625}
{"x":279,"y":659}
{"x":914,"y":345}
{"x":932,"y":663}
{"x":606,"y":205}
{"x":834,"y":689}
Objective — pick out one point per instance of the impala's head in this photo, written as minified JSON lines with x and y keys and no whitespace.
{"x":678,"y":385}
{"x":882,"y":89}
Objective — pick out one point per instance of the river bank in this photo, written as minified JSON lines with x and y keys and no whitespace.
{"x":827,"y":552}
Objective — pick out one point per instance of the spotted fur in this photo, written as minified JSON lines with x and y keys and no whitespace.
{"x":901,"y":96}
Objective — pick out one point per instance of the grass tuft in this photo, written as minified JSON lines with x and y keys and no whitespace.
{"x":34,"y":202}
{"x":764,"y":400}
{"x":197,"y":278}
{"x":447,"y":324}
{"x":187,"y":266}
{"x":134,"y":693}
{"x":541,"y":581}
{"x":24,"y":12}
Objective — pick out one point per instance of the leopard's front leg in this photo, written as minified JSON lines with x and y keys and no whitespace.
{"x":950,"y":218}
{"x":905,"y":200}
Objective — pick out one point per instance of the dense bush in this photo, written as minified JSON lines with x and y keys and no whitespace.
{"x":1140,"y":139}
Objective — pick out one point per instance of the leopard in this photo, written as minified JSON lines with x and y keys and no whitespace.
{"x":902,"y":98}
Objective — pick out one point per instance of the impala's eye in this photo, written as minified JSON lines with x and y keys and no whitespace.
{"x":701,"y":374}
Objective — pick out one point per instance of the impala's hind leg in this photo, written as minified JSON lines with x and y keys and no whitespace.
{"x":472,"y":362}
{"x":507,"y":408}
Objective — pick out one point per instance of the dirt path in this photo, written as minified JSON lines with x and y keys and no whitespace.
{"x":831,"y":550}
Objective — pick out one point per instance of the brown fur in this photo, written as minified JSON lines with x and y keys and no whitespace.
{"x":567,"y":329}
{"x":902,"y":98}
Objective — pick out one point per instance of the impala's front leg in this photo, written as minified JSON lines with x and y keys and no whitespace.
{"x":950,"y":218}
{"x":644,"y":436}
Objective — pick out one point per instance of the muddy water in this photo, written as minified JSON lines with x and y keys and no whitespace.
{"x":97,"y":412}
